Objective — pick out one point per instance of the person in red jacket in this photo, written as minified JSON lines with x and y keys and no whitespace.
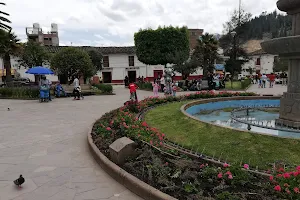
{"x":132,"y":88}
{"x":272,"y":78}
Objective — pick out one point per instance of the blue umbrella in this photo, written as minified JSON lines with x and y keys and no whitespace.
{"x":39,"y":71}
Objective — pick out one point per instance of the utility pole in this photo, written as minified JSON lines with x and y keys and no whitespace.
{"x":240,"y":7}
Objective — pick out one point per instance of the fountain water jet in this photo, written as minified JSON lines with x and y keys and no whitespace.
{"x":289,"y":48}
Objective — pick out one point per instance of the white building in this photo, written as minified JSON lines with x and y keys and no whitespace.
{"x":259,"y":62}
{"x":118,"y":62}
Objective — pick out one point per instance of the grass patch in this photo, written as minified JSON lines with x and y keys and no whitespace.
{"x":227,"y":144}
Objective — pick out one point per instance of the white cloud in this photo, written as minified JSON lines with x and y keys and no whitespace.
{"x":115,"y":21}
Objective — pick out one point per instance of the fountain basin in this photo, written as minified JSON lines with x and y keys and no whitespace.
{"x":260,"y":122}
{"x":285,"y":46}
{"x":288,"y":5}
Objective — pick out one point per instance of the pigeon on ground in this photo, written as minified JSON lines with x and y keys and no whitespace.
{"x":8,"y":109}
{"x":19,"y":181}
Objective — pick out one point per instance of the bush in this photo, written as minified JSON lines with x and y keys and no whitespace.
{"x":105,"y":88}
{"x":245,"y":83}
{"x":145,"y":86}
{"x":19,"y":92}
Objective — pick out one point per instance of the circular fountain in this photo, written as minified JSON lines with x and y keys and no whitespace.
{"x":289,"y":48}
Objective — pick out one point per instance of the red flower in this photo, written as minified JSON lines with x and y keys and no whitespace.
{"x":286,"y":175}
{"x":246,"y":166}
{"x":108,"y":128}
{"x":298,"y":168}
{"x":277,"y":188}
{"x":271,"y":178}
{"x":225,"y":165}
{"x":228,"y":173}
{"x":280,"y":169}
{"x":279,"y":175}
{"x":296,"y":173}
{"x":296,"y":190}
{"x":144,"y":124}
{"x":220,"y":175}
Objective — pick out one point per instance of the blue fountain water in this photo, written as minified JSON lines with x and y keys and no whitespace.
{"x":220,"y":117}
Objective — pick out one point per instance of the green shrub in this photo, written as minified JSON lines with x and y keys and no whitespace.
{"x":19,"y":92}
{"x":105,"y":88}
{"x":145,"y":86}
{"x":245,"y":83}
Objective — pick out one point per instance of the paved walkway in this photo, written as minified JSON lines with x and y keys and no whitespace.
{"x":47,"y":143}
{"x":276,"y":90}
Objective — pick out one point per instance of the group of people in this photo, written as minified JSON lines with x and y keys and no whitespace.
{"x":262,"y":79}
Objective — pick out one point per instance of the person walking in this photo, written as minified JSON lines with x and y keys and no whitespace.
{"x":76,"y":93}
{"x":272,"y":78}
{"x":264,"y":80}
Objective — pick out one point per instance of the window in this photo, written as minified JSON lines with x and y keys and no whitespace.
{"x":193,"y":33}
{"x":131,"y":60}
{"x":257,"y":61}
{"x":105,"y":61}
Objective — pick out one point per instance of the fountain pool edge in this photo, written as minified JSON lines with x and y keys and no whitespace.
{"x":204,"y":101}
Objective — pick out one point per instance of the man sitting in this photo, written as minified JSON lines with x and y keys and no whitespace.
{"x":59,"y":89}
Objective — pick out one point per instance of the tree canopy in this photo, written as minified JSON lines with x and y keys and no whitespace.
{"x":4,"y":20}
{"x":154,"y":47}
{"x":71,"y":61}
{"x":97,"y":59}
{"x":33,"y":54}
{"x":184,"y":68}
{"x":206,"y":52}
{"x":9,"y":46}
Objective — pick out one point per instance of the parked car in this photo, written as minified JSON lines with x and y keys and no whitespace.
{"x":18,"y":82}
{"x":241,"y":77}
{"x":278,"y":81}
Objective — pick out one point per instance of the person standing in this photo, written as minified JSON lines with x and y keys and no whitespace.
{"x":162,"y":83}
{"x":284,"y":78}
{"x":48,"y":83}
{"x":155,"y":88}
{"x":272,"y":78}
{"x":264,"y":80}
{"x":132,"y":89}
{"x":75,"y":90}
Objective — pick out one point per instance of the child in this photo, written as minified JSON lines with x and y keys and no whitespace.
{"x":132,"y":88}
{"x":155,"y":89}
{"x":174,"y":89}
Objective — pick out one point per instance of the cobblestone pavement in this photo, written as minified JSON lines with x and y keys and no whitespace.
{"x":47,"y":143}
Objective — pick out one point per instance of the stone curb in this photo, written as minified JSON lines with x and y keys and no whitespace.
{"x":132,"y":183}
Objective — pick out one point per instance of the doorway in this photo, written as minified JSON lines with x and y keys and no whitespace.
{"x":132,"y":76}
{"x":106,"y":77}
{"x":157,"y":74}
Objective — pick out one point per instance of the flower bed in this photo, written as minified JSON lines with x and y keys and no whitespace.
{"x":168,"y":170}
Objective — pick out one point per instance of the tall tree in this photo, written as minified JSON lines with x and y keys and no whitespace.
{"x":154,"y":47}
{"x":71,"y":61}
{"x":206,"y":53}
{"x":184,"y":68}
{"x":9,"y":46}
{"x":3,"y":19}
{"x":33,"y":54}
{"x":97,"y":59}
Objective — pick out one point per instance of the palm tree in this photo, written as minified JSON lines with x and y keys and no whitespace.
{"x":9,"y":46}
{"x":4,"y":19}
{"x":206,"y":52}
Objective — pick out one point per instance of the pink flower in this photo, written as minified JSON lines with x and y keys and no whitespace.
{"x":298,"y":168}
{"x":296,"y":190}
{"x":166,"y":163}
{"x":144,"y":124}
{"x":286,"y":175}
{"x":201,"y":166}
{"x":277,"y":188}
{"x":296,"y":173}
{"x":108,"y":128}
{"x":228,"y":173}
{"x":220,"y":175}
{"x":161,"y":144}
{"x":271,"y":178}
{"x":288,"y":191}
{"x":246,"y":166}
{"x":230,"y":177}
{"x":151,"y":142}
{"x":225,"y":165}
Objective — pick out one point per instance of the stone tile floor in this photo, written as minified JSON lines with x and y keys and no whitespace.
{"x":47,"y":144}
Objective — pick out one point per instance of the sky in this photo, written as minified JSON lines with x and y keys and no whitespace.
{"x":114,"y":22}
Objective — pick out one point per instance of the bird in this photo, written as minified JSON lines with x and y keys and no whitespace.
{"x":8,"y":109}
{"x":19,"y":181}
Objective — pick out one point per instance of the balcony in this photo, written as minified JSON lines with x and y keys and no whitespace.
{"x":33,"y":31}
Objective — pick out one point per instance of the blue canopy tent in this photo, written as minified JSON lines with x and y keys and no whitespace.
{"x":38,"y":72}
